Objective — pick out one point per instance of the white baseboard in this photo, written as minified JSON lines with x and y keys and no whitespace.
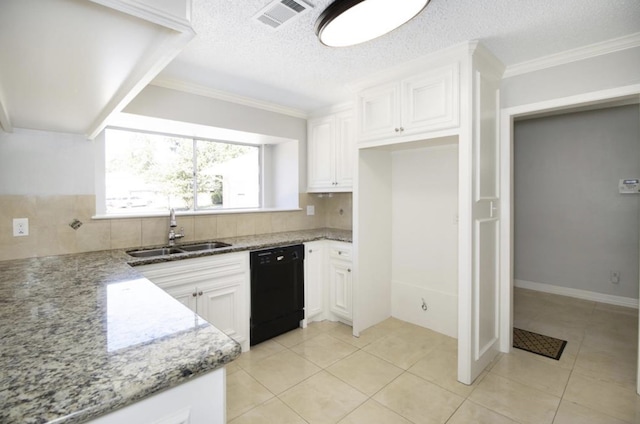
{"x":629,"y":302}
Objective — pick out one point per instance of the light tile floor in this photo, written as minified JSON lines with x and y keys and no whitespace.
{"x":397,"y":372}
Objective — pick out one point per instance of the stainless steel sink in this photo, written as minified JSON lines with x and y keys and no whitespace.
{"x":149,"y":253}
{"x":203,"y":246}
{"x":161,"y":251}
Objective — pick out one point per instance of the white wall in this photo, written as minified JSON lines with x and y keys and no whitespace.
{"x":45,"y":163}
{"x":425,"y":237}
{"x":175,"y":105}
{"x":603,"y":72}
{"x":572,"y":227}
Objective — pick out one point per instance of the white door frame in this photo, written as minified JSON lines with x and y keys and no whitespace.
{"x":507,"y":116}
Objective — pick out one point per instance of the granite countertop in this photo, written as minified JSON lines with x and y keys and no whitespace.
{"x":260,"y":241}
{"x":86,"y":334}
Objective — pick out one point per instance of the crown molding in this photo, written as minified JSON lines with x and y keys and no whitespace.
{"x":200,"y":90}
{"x":568,"y":56}
{"x":337,"y":108}
{"x":145,"y":9}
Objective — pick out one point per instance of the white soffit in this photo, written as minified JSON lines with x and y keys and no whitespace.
{"x":187,"y":129}
{"x":68,"y":65}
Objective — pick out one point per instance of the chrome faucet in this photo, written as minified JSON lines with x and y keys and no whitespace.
{"x":173,"y":236}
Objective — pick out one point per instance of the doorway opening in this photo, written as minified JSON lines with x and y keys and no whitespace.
{"x":565,"y":270}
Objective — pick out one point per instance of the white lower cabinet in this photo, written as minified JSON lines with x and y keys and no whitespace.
{"x":315,"y":272}
{"x":340,"y":281}
{"x":200,"y":400}
{"x":215,"y":287}
{"x":328,"y":281}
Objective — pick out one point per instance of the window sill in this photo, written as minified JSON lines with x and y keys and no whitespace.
{"x":165,"y":214}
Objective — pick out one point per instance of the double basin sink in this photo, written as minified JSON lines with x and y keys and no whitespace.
{"x":162,"y":251}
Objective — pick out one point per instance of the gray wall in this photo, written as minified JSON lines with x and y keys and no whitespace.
{"x":572,"y":227}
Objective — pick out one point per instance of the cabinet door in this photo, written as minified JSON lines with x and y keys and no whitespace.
{"x":222,"y":305}
{"x":378,"y":114}
{"x":314,"y":276}
{"x":320,"y":154}
{"x":340,"y":288}
{"x":345,"y":150}
{"x":185,"y":294}
{"x":430,"y":101}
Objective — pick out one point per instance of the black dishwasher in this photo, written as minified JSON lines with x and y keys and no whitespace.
{"x":277,"y":291}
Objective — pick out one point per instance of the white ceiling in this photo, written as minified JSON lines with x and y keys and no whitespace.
{"x":289,"y":67}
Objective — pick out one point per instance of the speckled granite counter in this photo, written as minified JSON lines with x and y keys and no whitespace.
{"x":253,"y":243}
{"x":84,"y":335}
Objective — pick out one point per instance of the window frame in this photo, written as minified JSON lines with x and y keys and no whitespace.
{"x":100,"y":159}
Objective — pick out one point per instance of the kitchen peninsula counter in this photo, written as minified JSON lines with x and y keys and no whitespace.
{"x":85,"y":334}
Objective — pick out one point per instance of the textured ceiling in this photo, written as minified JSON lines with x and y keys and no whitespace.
{"x":234,"y":53}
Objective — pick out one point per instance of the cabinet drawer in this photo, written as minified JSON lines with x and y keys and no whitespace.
{"x":196,"y":270}
{"x":340,"y":252}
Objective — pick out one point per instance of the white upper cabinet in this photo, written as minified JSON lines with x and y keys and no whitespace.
{"x":330,"y":148}
{"x":422,"y":103}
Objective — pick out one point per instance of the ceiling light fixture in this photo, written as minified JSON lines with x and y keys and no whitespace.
{"x":348,"y":22}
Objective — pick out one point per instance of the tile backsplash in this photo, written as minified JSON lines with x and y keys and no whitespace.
{"x":50,"y":232}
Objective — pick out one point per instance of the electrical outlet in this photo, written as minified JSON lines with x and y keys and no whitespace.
{"x":614,"y":277}
{"x":20,"y":227}
{"x":311,"y":210}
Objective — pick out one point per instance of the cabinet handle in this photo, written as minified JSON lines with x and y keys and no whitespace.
{"x":401,"y":129}
{"x":339,"y":252}
{"x":310,"y":250}
{"x":348,"y":269}
{"x":194,"y":294}
{"x":199,"y":293}
{"x":397,"y":129}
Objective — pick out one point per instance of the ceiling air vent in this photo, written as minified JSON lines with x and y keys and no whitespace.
{"x":279,"y":12}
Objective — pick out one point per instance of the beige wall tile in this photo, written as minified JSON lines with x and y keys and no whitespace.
{"x":50,"y":233}
{"x":85,"y":207}
{"x":155,"y":231}
{"x":339,"y":211}
{"x":94,"y":236}
{"x":126,"y":233}
{"x":246,"y":224}
{"x":205,"y":227}
{"x":56,"y":239}
{"x":278,"y":222}
{"x":263,"y":223}
{"x":186,"y":223}
{"x":227,"y":226}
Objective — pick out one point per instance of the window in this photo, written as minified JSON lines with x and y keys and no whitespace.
{"x":147,"y":172}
